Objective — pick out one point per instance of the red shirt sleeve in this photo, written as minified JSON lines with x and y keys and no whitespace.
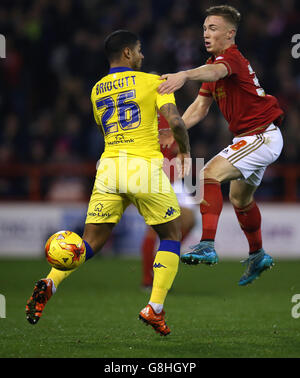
{"x":229,"y":60}
{"x":205,"y":90}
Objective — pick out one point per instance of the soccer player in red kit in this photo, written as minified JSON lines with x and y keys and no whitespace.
{"x":254,"y":119}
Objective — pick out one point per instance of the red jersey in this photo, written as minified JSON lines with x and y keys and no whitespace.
{"x":239,"y":95}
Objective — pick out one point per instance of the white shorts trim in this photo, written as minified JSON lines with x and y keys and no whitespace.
{"x":251,"y":155}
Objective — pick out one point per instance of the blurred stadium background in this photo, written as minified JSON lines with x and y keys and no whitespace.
{"x":49,"y":143}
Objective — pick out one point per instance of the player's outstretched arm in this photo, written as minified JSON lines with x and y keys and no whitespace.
{"x":197,"y":111}
{"x":193,"y":115}
{"x":171,"y":114}
{"x":206,"y":73}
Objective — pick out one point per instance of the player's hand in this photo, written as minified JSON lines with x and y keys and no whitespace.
{"x":166,"y":138}
{"x":172,"y":82}
{"x":183,"y":164}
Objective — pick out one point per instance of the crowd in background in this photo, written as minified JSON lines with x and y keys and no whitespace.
{"x":54,"y":55}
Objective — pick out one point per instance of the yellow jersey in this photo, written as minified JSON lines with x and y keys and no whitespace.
{"x":125,"y":104}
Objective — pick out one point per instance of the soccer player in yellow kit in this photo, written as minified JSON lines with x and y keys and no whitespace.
{"x":125,"y":105}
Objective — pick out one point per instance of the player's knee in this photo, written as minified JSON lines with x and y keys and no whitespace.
{"x":97,"y":234}
{"x":192,"y":219}
{"x":214,"y":173}
{"x":170,"y":230}
{"x":221,"y":170}
{"x":240,"y":201}
{"x":188,"y":219}
{"x":210,"y":173}
{"x":174,"y":234}
{"x":93,"y":242}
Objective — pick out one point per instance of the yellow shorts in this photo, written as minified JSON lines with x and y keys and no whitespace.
{"x":122,"y":181}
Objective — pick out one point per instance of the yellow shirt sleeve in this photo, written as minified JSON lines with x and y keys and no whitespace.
{"x":165,"y":99}
{"x":162,"y":99}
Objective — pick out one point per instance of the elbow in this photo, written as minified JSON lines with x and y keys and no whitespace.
{"x":176,"y":123}
{"x":215,"y":75}
{"x":218,"y":72}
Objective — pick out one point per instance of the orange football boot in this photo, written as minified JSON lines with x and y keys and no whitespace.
{"x":157,"y":321}
{"x":42,"y":292}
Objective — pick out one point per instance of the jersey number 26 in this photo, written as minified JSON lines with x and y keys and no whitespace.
{"x":128,"y":112}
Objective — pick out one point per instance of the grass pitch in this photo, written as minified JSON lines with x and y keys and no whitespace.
{"x":95,"y":312}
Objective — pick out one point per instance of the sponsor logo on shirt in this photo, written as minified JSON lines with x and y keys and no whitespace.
{"x":120,"y":139}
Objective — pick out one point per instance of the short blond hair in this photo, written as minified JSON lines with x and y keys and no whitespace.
{"x":228,"y":12}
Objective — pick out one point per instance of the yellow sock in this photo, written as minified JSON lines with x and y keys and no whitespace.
{"x":58,"y":276}
{"x":165,"y":268}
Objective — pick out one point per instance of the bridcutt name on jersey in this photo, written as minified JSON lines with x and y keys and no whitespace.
{"x":116,"y":84}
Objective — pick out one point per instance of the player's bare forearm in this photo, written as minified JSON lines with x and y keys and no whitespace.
{"x":181,"y":135}
{"x":170,"y":112}
{"x":191,"y":116}
{"x":205,"y":73}
{"x":197,"y":111}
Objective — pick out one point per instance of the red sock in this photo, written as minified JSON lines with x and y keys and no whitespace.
{"x":148,"y":252}
{"x":211,"y":208}
{"x":250,"y":221}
